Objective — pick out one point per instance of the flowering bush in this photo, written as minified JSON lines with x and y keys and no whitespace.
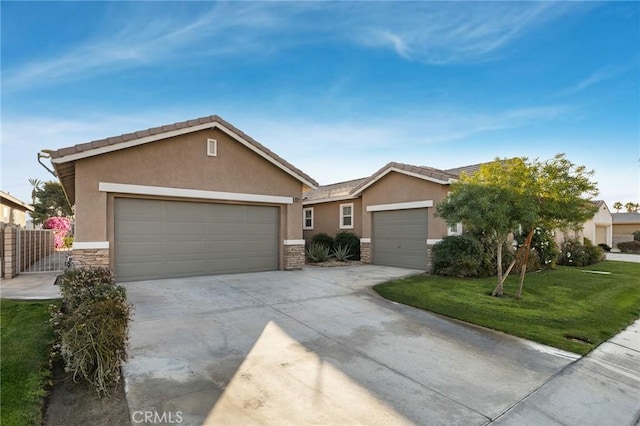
{"x":61,"y":227}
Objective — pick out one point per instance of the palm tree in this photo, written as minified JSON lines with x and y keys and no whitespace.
{"x":617,"y":205}
{"x":631,"y":207}
{"x":35,"y":182}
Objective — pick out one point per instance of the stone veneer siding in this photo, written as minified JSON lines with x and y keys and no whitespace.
{"x":293,"y":256}
{"x":91,"y":257}
{"x":365,"y":252}
{"x":429,"y":258}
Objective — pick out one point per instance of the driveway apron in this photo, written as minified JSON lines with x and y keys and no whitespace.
{"x":317,"y":346}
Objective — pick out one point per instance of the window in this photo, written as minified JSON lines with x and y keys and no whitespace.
{"x":307,"y":218}
{"x":346,"y":216}
{"x":212,"y":147}
{"x":455,"y":229}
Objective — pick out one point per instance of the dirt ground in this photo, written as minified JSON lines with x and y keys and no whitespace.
{"x":78,"y":404}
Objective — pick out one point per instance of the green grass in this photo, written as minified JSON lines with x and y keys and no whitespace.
{"x":555,"y":305}
{"x":25,"y":338}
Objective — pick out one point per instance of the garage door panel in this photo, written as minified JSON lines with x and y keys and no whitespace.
{"x":162,"y":239}
{"x":399,"y":238}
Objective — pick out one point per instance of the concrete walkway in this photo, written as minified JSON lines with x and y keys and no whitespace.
{"x":602,"y":388}
{"x":31,"y":287}
{"x":624,"y":257}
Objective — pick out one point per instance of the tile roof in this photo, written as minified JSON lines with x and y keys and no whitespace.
{"x":428,"y":172}
{"x":624,"y":218}
{"x":66,"y":169}
{"x":340,"y":189}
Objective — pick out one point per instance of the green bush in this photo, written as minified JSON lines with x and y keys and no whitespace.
{"x":488,"y":266}
{"x":636,"y":236}
{"x":457,"y":256}
{"x":575,"y":253}
{"x":323,"y":239}
{"x":92,"y":325}
{"x":629,"y":246}
{"x":317,"y":252}
{"x":341,"y":253}
{"x":350,"y":240}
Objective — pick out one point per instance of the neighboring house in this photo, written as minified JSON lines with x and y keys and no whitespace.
{"x":14,"y":211}
{"x":598,"y":229}
{"x":392,"y":212}
{"x":624,"y":225}
{"x":197,"y":197}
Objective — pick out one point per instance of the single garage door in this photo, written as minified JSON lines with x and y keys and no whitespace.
{"x":399,"y":238}
{"x":168,"y":239}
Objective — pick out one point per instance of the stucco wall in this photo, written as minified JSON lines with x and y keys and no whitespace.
{"x":326,"y":218}
{"x":400,"y":188}
{"x":180,"y":162}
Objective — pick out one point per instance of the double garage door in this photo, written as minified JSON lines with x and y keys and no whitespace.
{"x":399,"y":238}
{"x":168,"y":239}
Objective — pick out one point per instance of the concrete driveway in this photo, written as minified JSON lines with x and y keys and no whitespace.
{"x":317,"y":346}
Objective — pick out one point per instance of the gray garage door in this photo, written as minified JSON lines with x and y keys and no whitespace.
{"x":400,"y":238}
{"x":167,"y":239}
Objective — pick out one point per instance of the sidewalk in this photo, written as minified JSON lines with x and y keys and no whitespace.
{"x":600,"y":389}
{"x":30,"y":287}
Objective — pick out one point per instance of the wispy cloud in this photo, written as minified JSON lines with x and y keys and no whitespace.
{"x":593,"y":79}
{"x":147,"y":34}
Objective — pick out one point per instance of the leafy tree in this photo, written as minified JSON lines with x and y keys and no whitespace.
{"x":521,"y":193}
{"x":617,"y":206}
{"x":50,"y":201}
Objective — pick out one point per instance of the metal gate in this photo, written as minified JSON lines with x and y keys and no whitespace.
{"x":36,"y":251}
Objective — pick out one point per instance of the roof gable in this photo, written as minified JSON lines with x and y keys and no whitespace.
{"x":64,"y":159}
{"x":426,"y":173}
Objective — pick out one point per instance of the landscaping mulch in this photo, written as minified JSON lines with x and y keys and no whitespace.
{"x":335,"y":263}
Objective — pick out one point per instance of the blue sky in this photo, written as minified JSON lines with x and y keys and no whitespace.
{"x":337,"y":88}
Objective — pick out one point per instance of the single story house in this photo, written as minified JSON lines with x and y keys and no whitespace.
{"x":392,"y":211}
{"x":624,"y":225}
{"x":196,"y":197}
{"x":599,"y":229}
{"x":14,"y":211}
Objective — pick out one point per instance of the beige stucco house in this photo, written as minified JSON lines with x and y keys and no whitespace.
{"x":197,"y":197}
{"x":14,"y":211}
{"x":392,"y":211}
{"x":624,"y":225}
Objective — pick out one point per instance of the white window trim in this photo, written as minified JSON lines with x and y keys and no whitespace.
{"x":458,"y":230}
{"x":342,"y":216}
{"x":293,"y":242}
{"x":400,"y":206}
{"x":212,"y":148}
{"x":88,"y":245}
{"x":164,"y":191}
{"x":304,"y":218}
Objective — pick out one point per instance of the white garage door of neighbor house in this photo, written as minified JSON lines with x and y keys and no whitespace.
{"x":168,"y":239}
{"x":399,"y":238}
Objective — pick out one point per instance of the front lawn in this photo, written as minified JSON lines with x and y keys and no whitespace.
{"x":26,"y":339}
{"x":568,"y":308}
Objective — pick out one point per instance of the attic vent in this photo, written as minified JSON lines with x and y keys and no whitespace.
{"x":212,"y":147}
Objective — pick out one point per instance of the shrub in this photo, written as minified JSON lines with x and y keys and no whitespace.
{"x":636,"y":236}
{"x":488,"y":266}
{"x":629,"y":246}
{"x":92,"y":325}
{"x":317,"y":252}
{"x":341,"y":253}
{"x":604,"y":247}
{"x":350,"y":240}
{"x":459,"y":256}
{"x":323,"y":239}
{"x":575,"y":253}
{"x":545,"y":247}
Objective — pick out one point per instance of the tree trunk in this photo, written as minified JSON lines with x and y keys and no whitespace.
{"x":499,"y":290}
{"x":523,"y":270}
